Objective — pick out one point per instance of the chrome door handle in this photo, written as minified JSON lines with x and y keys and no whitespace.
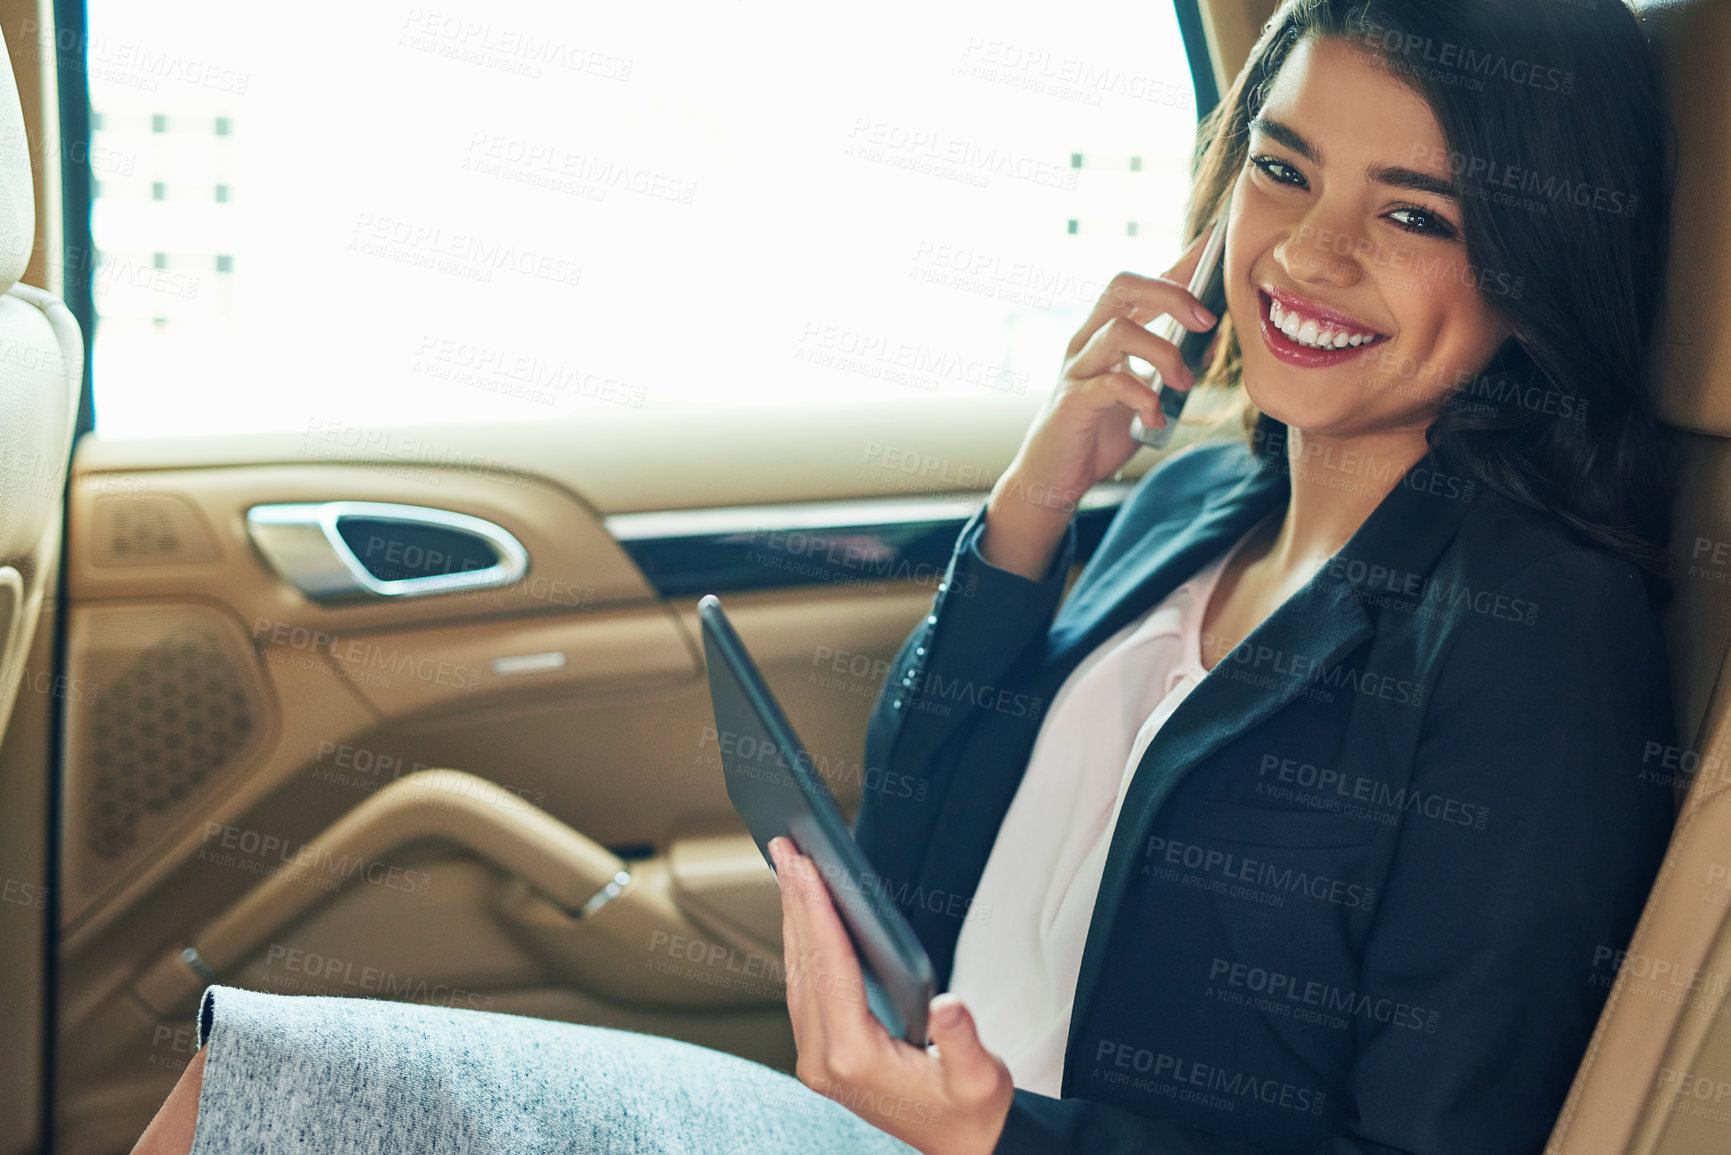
{"x":304,"y":543}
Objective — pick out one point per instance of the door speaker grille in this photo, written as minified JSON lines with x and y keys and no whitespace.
{"x":173,"y":719}
{"x":147,"y":529}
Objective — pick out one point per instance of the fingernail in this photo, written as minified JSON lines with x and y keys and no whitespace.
{"x":1203,"y":315}
{"x":949,"y":1015}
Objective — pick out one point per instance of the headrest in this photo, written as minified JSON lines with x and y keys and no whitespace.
{"x":17,"y":193}
{"x":1692,"y":345}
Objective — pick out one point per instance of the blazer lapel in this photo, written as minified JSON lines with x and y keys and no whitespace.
{"x":1312,"y":631}
{"x":1148,"y":563}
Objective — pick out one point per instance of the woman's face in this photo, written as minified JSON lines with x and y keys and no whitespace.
{"x":1343,"y":231}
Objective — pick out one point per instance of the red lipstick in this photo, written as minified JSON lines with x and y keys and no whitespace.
{"x":1305,"y":356}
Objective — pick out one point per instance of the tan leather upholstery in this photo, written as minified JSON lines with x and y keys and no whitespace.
{"x":17,"y":191}
{"x":1657,"y":1077}
{"x":41,"y":359}
{"x":1232,"y":28}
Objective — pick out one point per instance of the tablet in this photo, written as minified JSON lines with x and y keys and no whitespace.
{"x":775,"y":789}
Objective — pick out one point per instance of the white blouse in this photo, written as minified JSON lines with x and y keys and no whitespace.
{"x":1017,"y":969}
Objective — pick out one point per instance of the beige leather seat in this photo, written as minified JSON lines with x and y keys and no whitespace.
{"x":1657,"y":1077}
{"x":41,"y":363}
{"x":41,"y":360}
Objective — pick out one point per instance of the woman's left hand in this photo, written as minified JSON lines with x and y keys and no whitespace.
{"x":950,"y":1098}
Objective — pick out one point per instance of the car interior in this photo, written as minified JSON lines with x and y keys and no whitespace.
{"x":413,"y":710}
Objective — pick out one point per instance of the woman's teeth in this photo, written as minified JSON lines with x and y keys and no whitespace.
{"x":1308,"y":332}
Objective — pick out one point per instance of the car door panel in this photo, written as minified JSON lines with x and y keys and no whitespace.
{"x":577,"y":691}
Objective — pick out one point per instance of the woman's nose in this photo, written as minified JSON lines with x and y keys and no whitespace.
{"x":1325,"y":247}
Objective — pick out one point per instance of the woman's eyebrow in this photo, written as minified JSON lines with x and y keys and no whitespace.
{"x":1415,"y":180}
{"x":1287,"y":135}
{"x":1392,"y":175}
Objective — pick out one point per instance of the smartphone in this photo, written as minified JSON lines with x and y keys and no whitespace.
{"x":1208,"y":285}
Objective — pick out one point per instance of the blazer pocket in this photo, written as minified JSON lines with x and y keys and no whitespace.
{"x":1218,"y":821}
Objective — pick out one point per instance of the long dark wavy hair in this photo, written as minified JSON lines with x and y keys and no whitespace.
{"x":1559,"y":104}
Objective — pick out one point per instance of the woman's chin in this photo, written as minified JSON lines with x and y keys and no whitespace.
{"x":1337,"y":409}
{"x":1287,"y":405}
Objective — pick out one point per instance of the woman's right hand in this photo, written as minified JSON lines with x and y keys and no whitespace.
{"x":1081,"y":436}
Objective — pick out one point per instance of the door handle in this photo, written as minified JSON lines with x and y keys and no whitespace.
{"x":404,"y":550}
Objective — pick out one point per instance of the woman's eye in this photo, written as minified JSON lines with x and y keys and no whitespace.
{"x":1423,"y":222}
{"x":1279,"y":171}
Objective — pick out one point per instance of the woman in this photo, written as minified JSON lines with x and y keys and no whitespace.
{"x":1334,"y":790}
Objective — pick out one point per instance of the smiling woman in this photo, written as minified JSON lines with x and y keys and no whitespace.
{"x":1337,"y":798}
{"x":1465,"y":174}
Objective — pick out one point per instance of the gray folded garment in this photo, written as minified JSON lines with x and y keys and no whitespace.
{"x":355,"y":1076}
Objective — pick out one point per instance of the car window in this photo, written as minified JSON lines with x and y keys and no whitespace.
{"x":370,"y":213}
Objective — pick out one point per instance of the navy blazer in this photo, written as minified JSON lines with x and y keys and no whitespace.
{"x":1368,"y":882}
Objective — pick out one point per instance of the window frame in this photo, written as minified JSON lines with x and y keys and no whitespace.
{"x":78,"y":184}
